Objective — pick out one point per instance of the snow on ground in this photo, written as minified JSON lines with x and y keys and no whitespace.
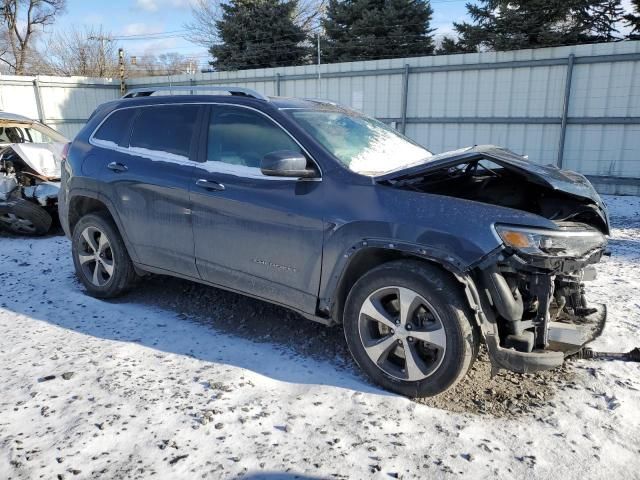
{"x":141,"y":391}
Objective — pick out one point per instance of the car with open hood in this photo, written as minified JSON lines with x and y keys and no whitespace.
{"x":315,"y":207}
{"x":30,"y":156}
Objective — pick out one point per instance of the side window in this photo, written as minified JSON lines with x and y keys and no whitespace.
{"x":37,"y":136}
{"x":13,"y":135}
{"x":116,"y":128}
{"x":242,"y":137}
{"x":165,"y":129}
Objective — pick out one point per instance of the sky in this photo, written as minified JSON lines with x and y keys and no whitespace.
{"x":126,"y":19}
{"x":123,"y":18}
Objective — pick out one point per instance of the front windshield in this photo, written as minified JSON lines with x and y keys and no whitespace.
{"x":362,"y":144}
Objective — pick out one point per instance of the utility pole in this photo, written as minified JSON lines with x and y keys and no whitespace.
{"x":103,"y":39}
{"x":318,"y":55}
{"x":123,"y":87}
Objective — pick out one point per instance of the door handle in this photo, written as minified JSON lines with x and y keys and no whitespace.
{"x":210,"y":185}
{"x":117,"y":167}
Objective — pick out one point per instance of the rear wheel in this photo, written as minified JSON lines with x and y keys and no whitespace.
{"x":100,"y":257}
{"x":25,"y":218}
{"x":408,"y":326}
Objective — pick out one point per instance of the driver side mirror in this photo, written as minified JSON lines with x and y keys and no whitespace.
{"x":286,"y":163}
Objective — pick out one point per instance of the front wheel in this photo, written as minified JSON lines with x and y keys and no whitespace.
{"x":408,"y":327}
{"x":25,"y":218}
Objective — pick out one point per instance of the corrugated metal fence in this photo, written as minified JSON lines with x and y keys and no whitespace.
{"x":63,"y":103}
{"x":577,"y":107}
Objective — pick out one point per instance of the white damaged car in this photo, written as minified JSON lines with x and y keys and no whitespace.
{"x":30,"y":156}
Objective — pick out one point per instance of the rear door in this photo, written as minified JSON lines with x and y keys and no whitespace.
{"x":147,"y":176}
{"x":253,"y":233}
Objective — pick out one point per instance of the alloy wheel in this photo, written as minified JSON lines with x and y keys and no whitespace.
{"x":402,"y":333}
{"x":95,"y":256}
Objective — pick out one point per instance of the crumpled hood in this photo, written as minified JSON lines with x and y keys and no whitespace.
{"x":43,"y":158}
{"x":565,"y":181}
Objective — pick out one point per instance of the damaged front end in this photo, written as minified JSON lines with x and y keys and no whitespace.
{"x":29,"y":186}
{"x":528,"y":294}
{"x":534,"y":287}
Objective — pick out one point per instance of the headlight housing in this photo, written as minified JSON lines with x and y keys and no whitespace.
{"x":574,"y":242}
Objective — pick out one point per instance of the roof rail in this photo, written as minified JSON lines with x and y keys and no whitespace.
{"x":240,"y":91}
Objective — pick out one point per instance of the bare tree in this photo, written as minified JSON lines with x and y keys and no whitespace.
{"x":309,"y":13}
{"x":175,"y":63}
{"x":87,"y":52}
{"x":170,"y":63}
{"x":21,"y":21}
{"x":148,"y":64}
{"x":203,"y":30}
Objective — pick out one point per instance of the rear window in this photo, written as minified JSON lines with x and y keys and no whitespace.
{"x":115,"y":129}
{"x":164,"y":129}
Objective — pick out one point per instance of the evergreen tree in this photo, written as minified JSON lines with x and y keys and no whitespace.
{"x":633,"y":21}
{"x":512,"y":25}
{"x":451,"y":46}
{"x":258,"y":34}
{"x":373,"y":29}
{"x":600,"y":20}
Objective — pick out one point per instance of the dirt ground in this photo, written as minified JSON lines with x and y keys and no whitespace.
{"x":506,"y":394}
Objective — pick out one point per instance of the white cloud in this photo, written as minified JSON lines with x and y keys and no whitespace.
{"x":140,"y":29}
{"x":179,"y":3}
{"x":155,"y":46}
{"x":153,"y":6}
{"x":147,"y":5}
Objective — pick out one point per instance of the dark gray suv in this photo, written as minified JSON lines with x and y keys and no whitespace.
{"x":315,"y":207}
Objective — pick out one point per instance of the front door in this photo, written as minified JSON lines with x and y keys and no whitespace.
{"x":256,"y":234}
{"x":147,"y":175}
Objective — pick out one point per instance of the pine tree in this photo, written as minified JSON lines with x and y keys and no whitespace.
{"x":633,"y":21}
{"x":258,"y":34}
{"x":512,"y":25}
{"x":450,"y":46}
{"x":600,"y":20}
{"x":374,"y":29}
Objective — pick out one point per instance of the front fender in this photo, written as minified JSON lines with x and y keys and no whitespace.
{"x":335,"y":271}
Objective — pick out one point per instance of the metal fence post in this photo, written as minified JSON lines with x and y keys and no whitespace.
{"x":565,"y":109}
{"x":277,"y":84}
{"x":39,"y":104}
{"x":405,"y":93}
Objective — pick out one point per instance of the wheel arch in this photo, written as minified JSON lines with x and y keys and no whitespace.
{"x":83,"y":202}
{"x":369,"y":254}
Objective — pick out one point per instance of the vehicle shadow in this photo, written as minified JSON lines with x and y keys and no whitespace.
{"x":259,"y":322}
{"x":178,"y":317}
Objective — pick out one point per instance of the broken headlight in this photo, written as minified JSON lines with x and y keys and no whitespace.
{"x":551,"y":243}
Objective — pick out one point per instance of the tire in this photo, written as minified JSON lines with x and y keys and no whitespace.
{"x":102,"y":263}
{"x":25,"y":218}
{"x":438,"y":329}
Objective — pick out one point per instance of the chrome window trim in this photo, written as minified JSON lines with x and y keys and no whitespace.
{"x":96,"y":142}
